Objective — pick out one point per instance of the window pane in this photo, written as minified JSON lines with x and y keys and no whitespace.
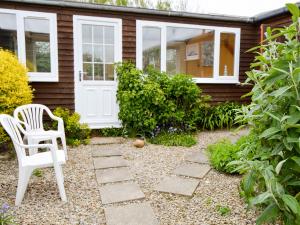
{"x":87,"y":71}
{"x":8,"y":32}
{"x":98,"y":34}
{"x":87,"y":33}
{"x":109,"y":35}
{"x":190,"y":51}
{"x":37,"y":40}
{"x":227,"y":54}
{"x":151,"y":47}
{"x":87,"y":53}
{"x":98,"y":53}
{"x":98,"y":70}
{"x":109,"y":54}
{"x":109,"y":72}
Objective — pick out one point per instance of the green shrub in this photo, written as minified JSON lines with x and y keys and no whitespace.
{"x":174,"y":139}
{"x":219,"y":116}
{"x":224,"y":152}
{"x":76,"y":133}
{"x":153,"y":99}
{"x":14,"y":89}
{"x":273,"y":171}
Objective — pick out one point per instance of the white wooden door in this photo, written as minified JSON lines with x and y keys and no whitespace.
{"x":97,"y":46}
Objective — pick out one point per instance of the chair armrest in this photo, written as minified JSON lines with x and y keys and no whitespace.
{"x":60,"y":121}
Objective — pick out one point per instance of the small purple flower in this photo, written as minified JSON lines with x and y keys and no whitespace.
{"x":4,"y":208}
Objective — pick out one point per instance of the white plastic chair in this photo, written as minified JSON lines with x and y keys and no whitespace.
{"x":31,"y":116}
{"x":53,"y":158}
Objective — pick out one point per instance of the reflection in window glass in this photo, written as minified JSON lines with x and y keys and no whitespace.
{"x":109,"y":72}
{"x":227,"y":46}
{"x":151,"y":47}
{"x":8,"y":32}
{"x":98,"y":52}
{"x":87,"y":71}
{"x":98,"y":71}
{"x":190,"y":51}
{"x":109,"y":35}
{"x":37,"y":39}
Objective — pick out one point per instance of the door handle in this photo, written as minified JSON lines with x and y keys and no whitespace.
{"x":80,"y":75}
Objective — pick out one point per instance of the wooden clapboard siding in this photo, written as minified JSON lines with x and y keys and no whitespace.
{"x":62,"y":92}
{"x":274,"y":22}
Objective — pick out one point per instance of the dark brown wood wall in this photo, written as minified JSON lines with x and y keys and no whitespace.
{"x":62,"y":92}
{"x":274,"y":22}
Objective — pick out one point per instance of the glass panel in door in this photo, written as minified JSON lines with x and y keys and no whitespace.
{"x":98,"y":52}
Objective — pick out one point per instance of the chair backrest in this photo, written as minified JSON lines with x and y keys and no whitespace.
{"x":12,"y":127}
{"x":31,"y":115}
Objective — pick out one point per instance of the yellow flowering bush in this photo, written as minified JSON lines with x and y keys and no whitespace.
{"x":14,"y":87}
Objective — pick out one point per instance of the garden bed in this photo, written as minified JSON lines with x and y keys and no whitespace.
{"x":149,"y":165}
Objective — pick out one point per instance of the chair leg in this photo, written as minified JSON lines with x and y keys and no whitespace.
{"x":63,"y":141}
{"x":60,"y":182}
{"x":24,"y":176}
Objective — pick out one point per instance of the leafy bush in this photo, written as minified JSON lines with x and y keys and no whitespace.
{"x":14,"y":88}
{"x":152,"y":99}
{"x":273,"y":178}
{"x":219,"y":116}
{"x":76,"y":133}
{"x":174,"y":139}
{"x":224,"y":152}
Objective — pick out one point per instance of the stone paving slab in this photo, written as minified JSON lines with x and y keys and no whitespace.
{"x":120,"y":192}
{"x":106,"y":152}
{"x":113,"y":175}
{"x":197,"y":157}
{"x":178,"y":185}
{"x":192,"y":170}
{"x":109,"y":162}
{"x":107,"y":140}
{"x":133,"y":214}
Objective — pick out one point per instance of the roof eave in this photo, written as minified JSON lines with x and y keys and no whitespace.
{"x":266,"y":15}
{"x":69,"y":4}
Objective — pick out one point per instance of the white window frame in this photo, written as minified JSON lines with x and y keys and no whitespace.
{"x":218,"y":30}
{"x":20,"y":16}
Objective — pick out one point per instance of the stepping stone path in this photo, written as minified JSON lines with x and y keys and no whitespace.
{"x":113,"y":175}
{"x":133,"y":214}
{"x":178,"y":185}
{"x":196,"y":166}
{"x":109,"y":162}
{"x":194,"y":170}
{"x":115,"y":186}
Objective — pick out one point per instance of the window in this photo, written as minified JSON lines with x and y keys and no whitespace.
{"x":98,"y":52}
{"x":209,"y":54}
{"x":8,"y":32}
{"x":151,"y":47}
{"x":32,"y":36}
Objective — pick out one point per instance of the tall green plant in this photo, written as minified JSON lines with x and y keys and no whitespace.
{"x":153,"y":100}
{"x":273,"y":178}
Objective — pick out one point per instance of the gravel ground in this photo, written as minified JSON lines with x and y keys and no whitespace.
{"x":149,"y":165}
